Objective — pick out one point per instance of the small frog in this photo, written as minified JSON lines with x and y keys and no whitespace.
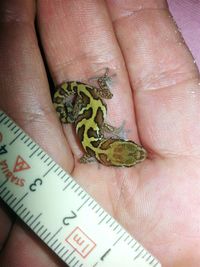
{"x":82,"y":104}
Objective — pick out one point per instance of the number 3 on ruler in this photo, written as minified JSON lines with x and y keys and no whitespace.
{"x":33,"y":186}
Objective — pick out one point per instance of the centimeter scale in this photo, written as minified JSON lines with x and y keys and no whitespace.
{"x":71,"y":223}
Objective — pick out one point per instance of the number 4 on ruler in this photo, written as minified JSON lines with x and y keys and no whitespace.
{"x":3,"y":150}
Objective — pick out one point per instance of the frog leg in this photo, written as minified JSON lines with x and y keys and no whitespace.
{"x":113,"y":131}
{"x":86,"y":158}
{"x":63,"y":103}
{"x":103,"y":91}
{"x":77,"y":107}
{"x":68,"y":111}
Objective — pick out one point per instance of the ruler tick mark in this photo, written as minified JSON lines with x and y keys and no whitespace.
{"x":47,"y":236}
{"x":58,"y":167}
{"x":23,"y":137}
{"x":11,"y":123}
{"x":13,"y":201}
{"x":22,"y":212}
{"x":75,"y":263}
{"x":60,"y":172}
{"x":12,"y":129}
{"x":79,"y":194}
{"x":48,"y":158}
{"x":19,"y":208}
{"x":37,"y":224}
{"x":3,"y":196}
{"x":49,"y":162}
{"x":8,"y":197}
{"x":91,"y":203}
{"x":4,"y":183}
{"x":67,"y":185}
{"x":99,"y":208}
{"x":83,"y":203}
{"x":130,"y":241}
{"x":17,"y":131}
{"x":66,"y":179}
{"x":30,"y":156}
{"x":35,"y":219}
{"x":70,"y":262}
{"x":149,"y":256}
{"x":84,"y":196}
{"x":70,"y":255}
{"x":26,"y":215}
{"x":34,"y":145}
{"x":54,"y":242}
{"x":63,"y":176}
{"x":41,"y":227}
{"x":49,"y":170}
{"x":5,"y":122}
{"x":134,"y":244}
{"x":26,"y":140}
{"x":102,"y":212}
{"x":95,"y":205}
{"x":40,"y":152}
{"x":55,"y":234}
{"x":65,"y":253}
{"x":43,"y":155}
{"x":61,"y":250}
{"x":145,"y":254}
{"x":128,"y":236}
{"x":119,"y":239}
{"x":138,"y":255}
{"x":115,"y":228}
{"x":7,"y":192}
{"x":29,"y":218}
{"x":57,"y":246}
{"x":109,"y":220}
{"x":43,"y":232}
{"x":34,"y":228}
{"x":31,"y":142}
{"x":137,"y":247}
{"x":103,"y":219}
{"x":2,"y":119}
{"x":20,"y":200}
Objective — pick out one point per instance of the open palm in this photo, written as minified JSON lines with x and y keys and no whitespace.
{"x":156,"y":93}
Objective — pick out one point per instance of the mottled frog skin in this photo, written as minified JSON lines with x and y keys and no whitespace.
{"x":82,"y":104}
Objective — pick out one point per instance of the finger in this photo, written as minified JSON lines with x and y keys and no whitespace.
{"x":163,"y":75}
{"x":5,"y":225}
{"x":79,"y":43}
{"x":23,"y":249}
{"x":24,"y":87}
{"x":23,"y":83}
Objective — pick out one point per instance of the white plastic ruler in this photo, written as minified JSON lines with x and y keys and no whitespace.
{"x":60,"y":212}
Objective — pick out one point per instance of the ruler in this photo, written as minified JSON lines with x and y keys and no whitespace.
{"x":59,"y":211}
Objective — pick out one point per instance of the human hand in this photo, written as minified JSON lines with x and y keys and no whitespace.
{"x":156,"y":89}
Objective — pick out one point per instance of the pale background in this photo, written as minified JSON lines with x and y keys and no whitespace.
{"x":187,"y":15}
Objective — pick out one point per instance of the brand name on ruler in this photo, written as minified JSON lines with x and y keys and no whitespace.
{"x":20,"y":165}
{"x":10,"y":175}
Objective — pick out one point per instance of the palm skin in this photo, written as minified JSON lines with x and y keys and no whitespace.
{"x":156,"y":90}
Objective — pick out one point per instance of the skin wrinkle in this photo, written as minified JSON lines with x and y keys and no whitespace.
{"x":149,"y":85}
{"x":136,"y":12}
